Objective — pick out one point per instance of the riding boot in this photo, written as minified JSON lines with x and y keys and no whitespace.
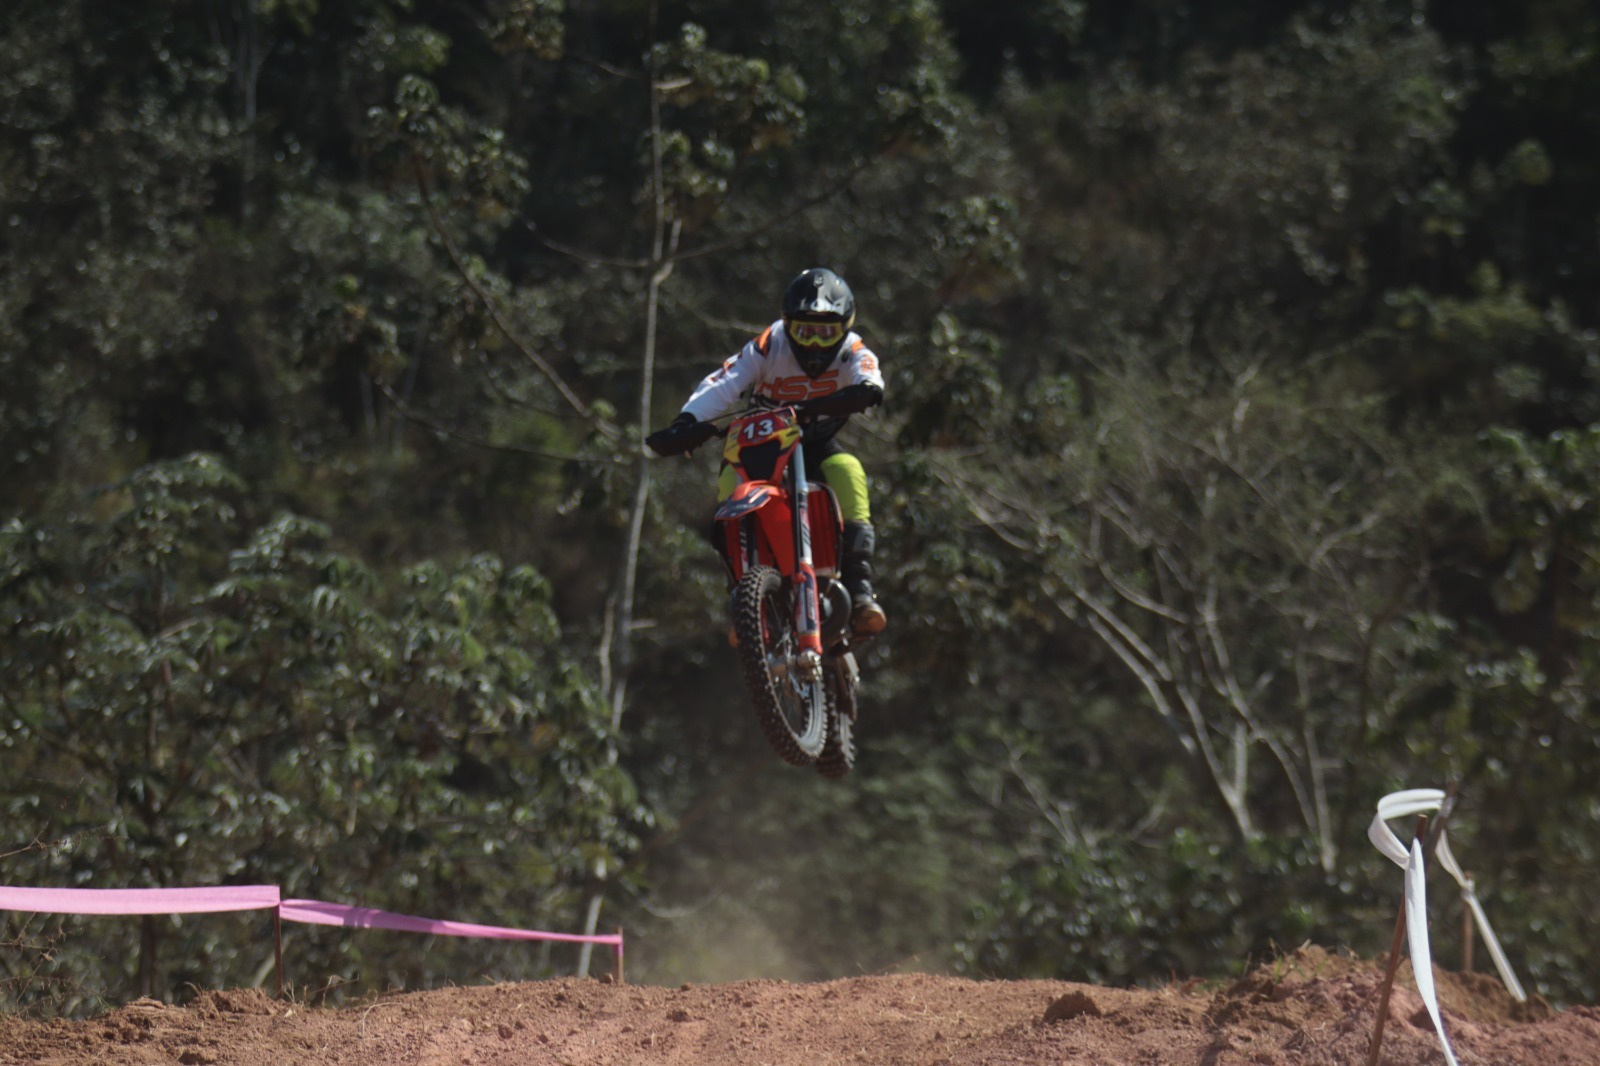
{"x":866,"y":615}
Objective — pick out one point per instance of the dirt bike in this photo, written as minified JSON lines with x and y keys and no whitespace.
{"x":782,"y":539}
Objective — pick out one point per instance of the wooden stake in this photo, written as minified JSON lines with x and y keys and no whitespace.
{"x":1466,"y":923}
{"x":619,"y":954}
{"x":1394,"y":964}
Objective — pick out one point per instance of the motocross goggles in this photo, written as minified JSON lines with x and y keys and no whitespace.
{"x":814,"y":334}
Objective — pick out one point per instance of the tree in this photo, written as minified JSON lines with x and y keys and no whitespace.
{"x":186,"y":707}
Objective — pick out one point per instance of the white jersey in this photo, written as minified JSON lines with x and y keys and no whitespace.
{"x":766,"y":367}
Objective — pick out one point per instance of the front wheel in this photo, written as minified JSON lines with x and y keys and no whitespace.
{"x":788,"y":693}
{"x":839,"y":747}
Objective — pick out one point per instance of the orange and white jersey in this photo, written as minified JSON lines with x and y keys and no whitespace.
{"x":766,"y":367}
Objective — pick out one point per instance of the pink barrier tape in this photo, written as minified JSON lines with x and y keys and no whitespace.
{"x":139,"y":900}
{"x":261,"y":897}
{"x":315,"y":912}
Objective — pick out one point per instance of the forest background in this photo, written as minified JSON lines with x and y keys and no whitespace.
{"x":1238,"y":466}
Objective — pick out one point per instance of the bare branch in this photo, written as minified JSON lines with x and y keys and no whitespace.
{"x":411,"y":414}
{"x":1058,"y":816}
{"x":493,"y":308}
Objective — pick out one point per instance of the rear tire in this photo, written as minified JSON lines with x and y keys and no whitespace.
{"x":792,"y":709}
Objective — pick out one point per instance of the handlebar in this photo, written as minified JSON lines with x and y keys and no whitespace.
{"x":684,"y":437}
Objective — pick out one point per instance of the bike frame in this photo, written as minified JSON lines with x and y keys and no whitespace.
{"x":767,"y":519}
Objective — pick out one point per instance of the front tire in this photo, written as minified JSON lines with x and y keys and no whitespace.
{"x":790,"y":706}
{"x":839,"y":747}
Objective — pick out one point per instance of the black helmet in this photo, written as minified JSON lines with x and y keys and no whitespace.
{"x":818,"y":311}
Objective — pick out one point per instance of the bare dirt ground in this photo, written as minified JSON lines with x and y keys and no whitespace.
{"x":1308,"y":1009}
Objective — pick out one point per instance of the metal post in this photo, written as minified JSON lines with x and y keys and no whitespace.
{"x":277,"y":946}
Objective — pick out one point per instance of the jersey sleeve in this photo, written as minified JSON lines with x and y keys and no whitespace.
{"x":861,"y":364}
{"x":722,"y":389}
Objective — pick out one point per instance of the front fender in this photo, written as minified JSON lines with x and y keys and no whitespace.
{"x":747,"y":499}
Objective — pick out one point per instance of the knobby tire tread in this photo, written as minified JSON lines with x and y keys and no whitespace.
{"x":749,"y":595}
{"x":839,"y":748}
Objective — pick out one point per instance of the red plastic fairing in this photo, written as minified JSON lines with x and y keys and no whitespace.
{"x":771,"y":522}
{"x":827,"y":528}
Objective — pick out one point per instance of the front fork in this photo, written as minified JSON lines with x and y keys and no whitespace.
{"x":806,"y":663}
{"x":807,"y":610}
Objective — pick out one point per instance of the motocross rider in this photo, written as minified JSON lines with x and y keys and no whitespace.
{"x":811,"y":359}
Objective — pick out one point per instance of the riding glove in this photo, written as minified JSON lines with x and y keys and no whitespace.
{"x":685,"y":434}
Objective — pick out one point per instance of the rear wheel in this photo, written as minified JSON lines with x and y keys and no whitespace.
{"x":790,"y":697}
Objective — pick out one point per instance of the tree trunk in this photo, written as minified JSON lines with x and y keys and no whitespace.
{"x":617,"y":647}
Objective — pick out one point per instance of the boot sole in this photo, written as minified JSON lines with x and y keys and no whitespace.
{"x":869,"y":622}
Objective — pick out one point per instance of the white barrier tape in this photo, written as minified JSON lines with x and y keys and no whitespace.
{"x":1417,"y":801}
{"x":1501,"y":963}
{"x":1470,"y":896}
{"x":1417,"y":936}
{"x":1398,"y":805}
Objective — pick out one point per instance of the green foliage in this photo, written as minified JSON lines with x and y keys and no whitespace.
{"x":953,"y":392}
{"x":1106,"y":913}
{"x":532,"y":26}
{"x":189,"y":707}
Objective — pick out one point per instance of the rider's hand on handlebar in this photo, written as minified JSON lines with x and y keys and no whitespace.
{"x":684,"y":435}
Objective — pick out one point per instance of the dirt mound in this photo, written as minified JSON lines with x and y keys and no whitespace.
{"x":1308,"y":1009}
